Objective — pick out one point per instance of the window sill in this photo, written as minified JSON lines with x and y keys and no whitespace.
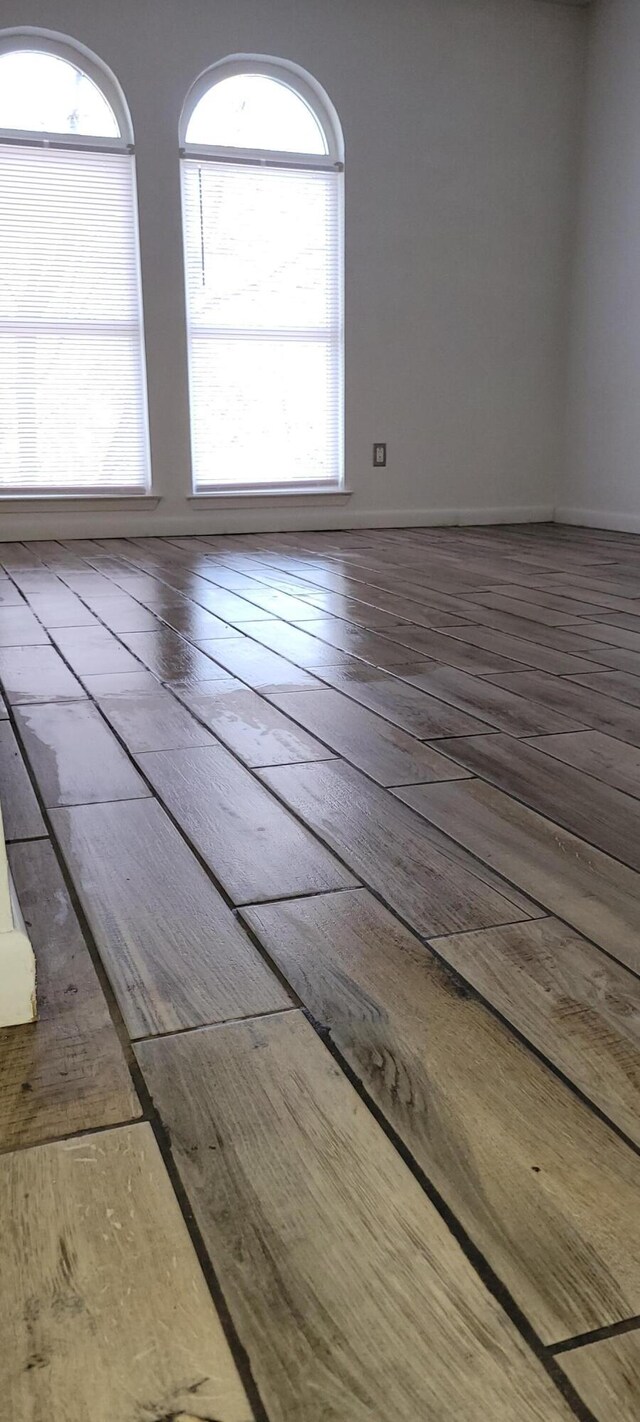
{"x":229,"y":497}
{"x":17,"y":503}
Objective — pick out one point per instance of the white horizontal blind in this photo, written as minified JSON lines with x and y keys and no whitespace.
{"x":264,"y":306}
{"x":72,"y":380}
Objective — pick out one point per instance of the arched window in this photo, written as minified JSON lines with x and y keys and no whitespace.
{"x":73,"y":413}
{"x":262,"y":207}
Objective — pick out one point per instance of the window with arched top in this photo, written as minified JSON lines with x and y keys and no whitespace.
{"x":73,"y":415}
{"x":262,"y":170}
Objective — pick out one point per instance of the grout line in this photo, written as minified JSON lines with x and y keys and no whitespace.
{"x":426,"y":780}
{"x":222,"y":1022}
{"x":56,"y":1138}
{"x":597,"y":1335}
{"x":305,"y":894}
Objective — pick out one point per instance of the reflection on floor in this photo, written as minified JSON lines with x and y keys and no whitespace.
{"x":329,"y":848}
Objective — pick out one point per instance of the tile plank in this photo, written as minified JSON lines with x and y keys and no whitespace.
{"x":563,"y":638}
{"x":586,"y":888}
{"x":61,"y":609}
{"x":390,"y":756}
{"x":174,"y":952}
{"x":454,"y":652}
{"x":374,"y":616}
{"x":93,"y":649}
{"x":148,"y":722}
{"x":401,"y":703}
{"x":311,"y":1215}
{"x":124,"y":614}
{"x":595,"y":811}
{"x":622,"y":685}
{"x":607,"y":1376}
{"x":384,"y":651}
{"x":386,"y":846}
{"x":10,"y":596}
{"x":619,"y":658}
{"x":256,"y":665}
{"x":105,"y":1313}
{"x":256,"y":849}
{"x":531,"y":654}
{"x":295,"y":645}
{"x":120,"y":683}
{"x":521,"y":607}
{"x":74,"y":757}
{"x":253,"y":728}
{"x":503,"y":1140}
{"x":36,"y":674}
{"x":19,"y":628}
{"x":21,"y":816}
{"x":16,"y":555}
{"x":604,"y":757}
{"x":87,"y":581}
{"x":193,"y":622}
{"x":372,"y":607}
{"x":573,"y":607}
{"x":276,"y":603}
{"x":581,"y":1010}
{"x":66,"y":1072}
{"x":596,"y":712}
{"x":227,"y":605}
{"x":620,"y":619}
{"x":168,"y":656}
{"x":618,"y":636}
{"x":479,"y":697}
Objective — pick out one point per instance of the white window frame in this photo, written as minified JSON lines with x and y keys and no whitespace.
{"x":318,"y":102}
{"x":46,"y":42}
{"x":42,"y":41}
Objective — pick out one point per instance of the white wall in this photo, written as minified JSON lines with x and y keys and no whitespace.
{"x":461,"y":123}
{"x":602,"y":480}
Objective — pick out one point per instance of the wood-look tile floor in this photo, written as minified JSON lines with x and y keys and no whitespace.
{"x":329,"y":847}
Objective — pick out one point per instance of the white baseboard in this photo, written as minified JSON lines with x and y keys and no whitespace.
{"x":17,"y":961}
{"x":598,"y":518}
{"x":299,"y":514}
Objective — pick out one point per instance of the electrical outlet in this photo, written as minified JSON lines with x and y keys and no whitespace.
{"x":379,"y":456}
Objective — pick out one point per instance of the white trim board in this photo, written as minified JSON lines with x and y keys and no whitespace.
{"x":17,"y":959}
{"x":304,"y":513}
{"x":598,"y":518}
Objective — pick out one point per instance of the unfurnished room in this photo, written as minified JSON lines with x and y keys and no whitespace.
{"x":319,"y":710}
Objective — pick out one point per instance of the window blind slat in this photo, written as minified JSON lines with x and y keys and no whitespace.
{"x":264,"y":306}
{"x":72,"y":379}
